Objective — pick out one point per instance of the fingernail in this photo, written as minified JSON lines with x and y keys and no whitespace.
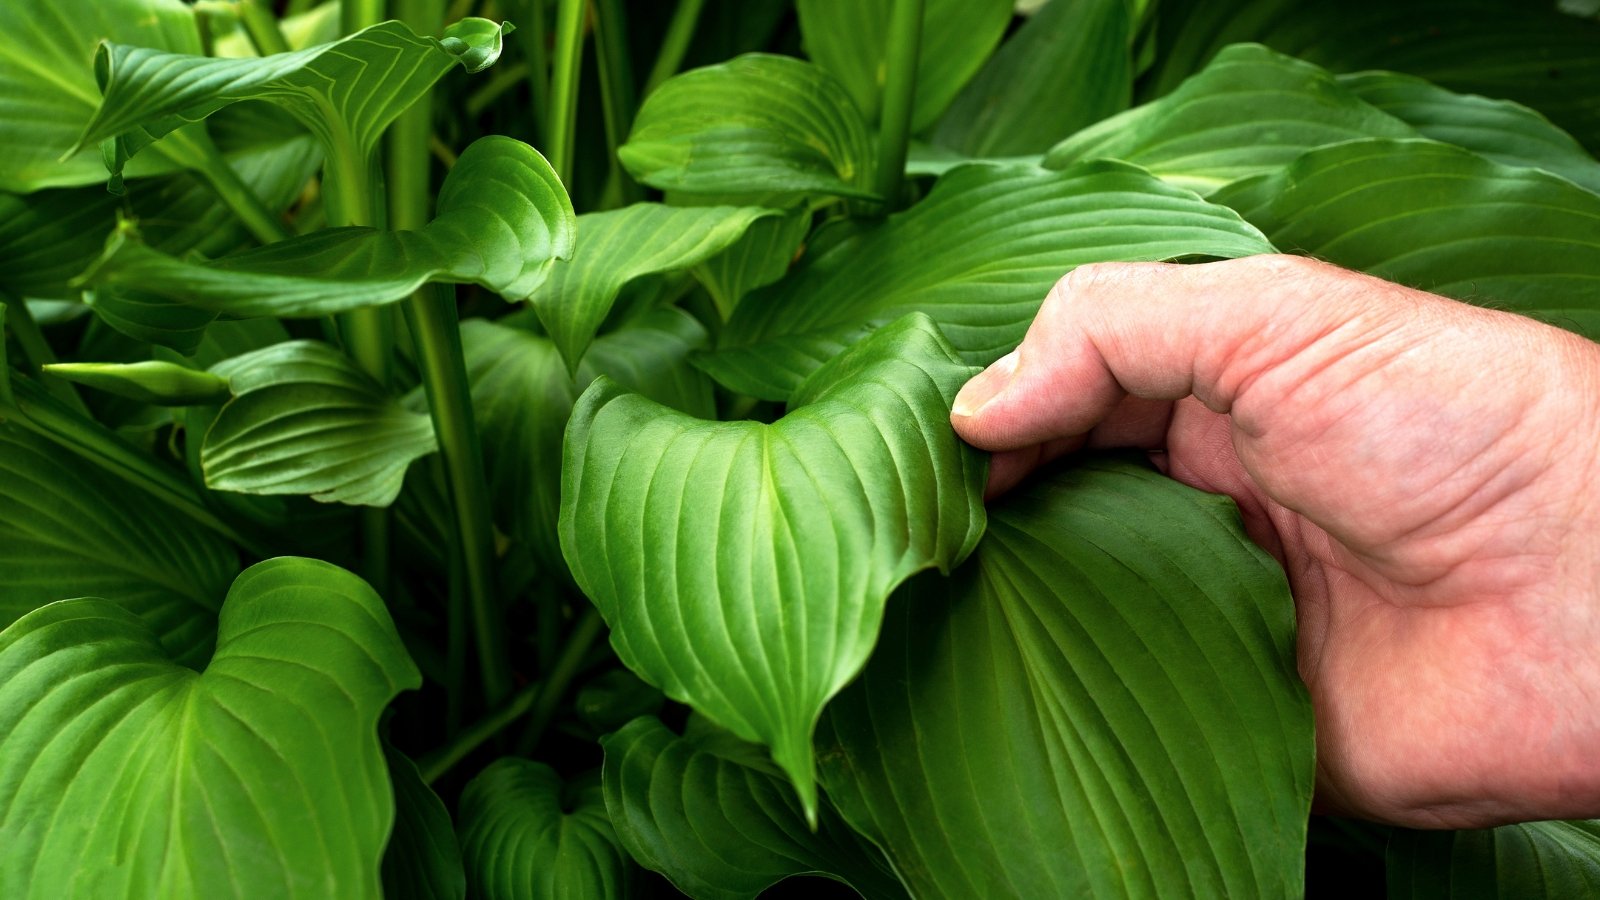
{"x":985,"y":386}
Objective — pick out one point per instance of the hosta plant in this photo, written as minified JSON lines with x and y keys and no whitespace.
{"x":500,"y":448}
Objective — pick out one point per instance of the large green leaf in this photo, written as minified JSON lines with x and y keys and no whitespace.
{"x":1536,"y":859}
{"x":124,"y":774}
{"x":1498,"y":48}
{"x":707,"y":811}
{"x":522,"y":397}
{"x":978,"y":254}
{"x":850,"y":38}
{"x":616,"y":247}
{"x":49,"y":237}
{"x":423,"y":859}
{"x":743,"y":567}
{"x":525,"y":834}
{"x":304,"y":419}
{"x":346,"y":92}
{"x":1252,"y":110}
{"x":750,"y":129}
{"x":47,"y":84}
{"x":70,"y":529}
{"x":1498,"y":129}
{"x":1442,"y":219}
{"x":1068,"y":67}
{"x":1102,"y":703}
{"x":503,"y":219}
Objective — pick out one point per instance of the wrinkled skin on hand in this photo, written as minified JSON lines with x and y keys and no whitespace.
{"x":1426,"y":471}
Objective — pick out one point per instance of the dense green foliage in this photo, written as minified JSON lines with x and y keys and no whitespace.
{"x":509,"y":456}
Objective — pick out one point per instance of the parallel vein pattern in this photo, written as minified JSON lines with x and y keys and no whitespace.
{"x":503,"y":219}
{"x":978,"y":254}
{"x":743,"y":567}
{"x":1102,"y":703}
{"x":1534,"y":859}
{"x":123,"y":774}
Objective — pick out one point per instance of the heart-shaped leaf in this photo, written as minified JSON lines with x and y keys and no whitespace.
{"x":850,"y":38}
{"x":423,"y":858}
{"x":978,"y":254}
{"x":1102,"y":702}
{"x":346,"y":92}
{"x":1529,"y":53}
{"x":1067,"y":67}
{"x":615,"y":247}
{"x":522,"y":397}
{"x":1498,"y":129}
{"x":1442,"y":219}
{"x":503,"y":219}
{"x":47,"y":85}
{"x":304,"y":419}
{"x":1251,"y":110}
{"x":742,"y":567}
{"x":526,"y":834}
{"x":124,"y":774}
{"x":756,"y":129}
{"x":1535,"y":859}
{"x":71,"y":529}
{"x":706,"y":811}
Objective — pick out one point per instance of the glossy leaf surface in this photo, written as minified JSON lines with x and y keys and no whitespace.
{"x":503,"y":219}
{"x":47,"y":81}
{"x":754,"y":127}
{"x":978,"y":254}
{"x":525,"y":834}
{"x":1251,"y":110}
{"x":1067,"y":67}
{"x":850,"y":38}
{"x":616,"y":247}
{"x":1440,"y":218}
{"x":423,"y":859}
{"x":346,"y":92}
{"x":707,"y":811}
{"x":743,"y":567}
{"x":1498,"y":129}
{"x":1528,"y":53}
{"x":1102,"y":702}
{"x":522,"y":397}
{"x":69,"y":529}
{"x":304,"y":419}
{"x":124,"y":774}
{"x":1535,"y":859}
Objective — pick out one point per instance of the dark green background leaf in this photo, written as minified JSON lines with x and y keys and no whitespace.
{"x":422,"y":860}
{"x":1536,"y":859}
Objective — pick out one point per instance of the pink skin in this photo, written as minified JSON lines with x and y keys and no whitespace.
{"x":1426,"y":471}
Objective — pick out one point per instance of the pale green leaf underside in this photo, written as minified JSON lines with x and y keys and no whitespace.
{"x":849,"y":38}
{"x":1102,"y":703}
{"x":151,"y":381}
{"x":709,"y":814}
{"x":1535,"y":859}
{"x":123,"y":774}
{"x":522,"y":397}
{"x":503,"y":219}
{"x":1252,"y":110}
{"x":70,"y":529}
{"x":1503,"y":131}
{"x":525,"y":833}
{"x":978,"y":254}
{"x":304,"y":419}
{"x":615,"y":247}
{"x":1067,"y":67}
{"x":757,"y":126}
{"x":346,"y":92}
{"x":1439,"y":218}
{"x":47,"y":85}
{"x":422,"y":860}
{"x":743,"y":567}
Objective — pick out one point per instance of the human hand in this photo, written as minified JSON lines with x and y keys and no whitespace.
{"x":1426,"y":471}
